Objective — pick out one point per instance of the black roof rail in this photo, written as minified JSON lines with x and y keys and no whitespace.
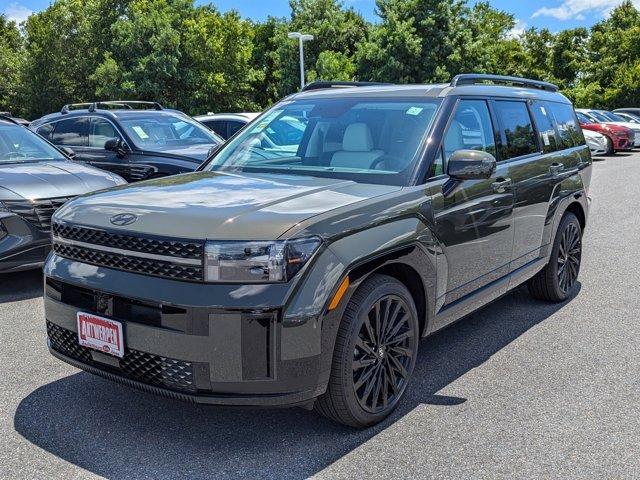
{"x":321,"y":85}
{"x":73,"y":106}
{"x":129,"y":104}
{"x":9,"y":118}
{"x":477,"y":78}
{"x":105,"y":104}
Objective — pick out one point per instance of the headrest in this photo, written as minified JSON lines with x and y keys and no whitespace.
{"x":357,"y":138}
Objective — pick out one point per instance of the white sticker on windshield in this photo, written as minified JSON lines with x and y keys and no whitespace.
{"x":141,"y":133}
{"x":543,"y":110}
{"x":545,"y":138}
{"x":414,"y":111}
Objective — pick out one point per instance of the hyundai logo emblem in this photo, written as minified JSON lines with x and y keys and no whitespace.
{"x":123,"y":219}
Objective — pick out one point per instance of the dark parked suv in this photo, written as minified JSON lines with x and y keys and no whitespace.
{"x":306,"y":276}
{"x":136,"y":140}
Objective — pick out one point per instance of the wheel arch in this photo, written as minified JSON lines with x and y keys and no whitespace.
{"x":393,"y":264}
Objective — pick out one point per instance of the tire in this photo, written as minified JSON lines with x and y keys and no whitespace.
{"x":556,"y":281}
{"x":610,"y":150}
{"x":362,"y":361}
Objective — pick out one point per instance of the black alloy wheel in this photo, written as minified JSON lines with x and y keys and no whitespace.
{"x":374,"y":355}
{"x":557,"y":280}
{"x":383,"y":354}
{"x":569,"y":255}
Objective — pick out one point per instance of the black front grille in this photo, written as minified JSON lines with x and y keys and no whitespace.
{"x":37,"y":212}
{"x":156,"y":246}
{"x":139,"y":366}
{"x":131,"y":264}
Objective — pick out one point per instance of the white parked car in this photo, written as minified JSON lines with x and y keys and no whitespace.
{"x":598,"y":143}
{"x":603,"y":116}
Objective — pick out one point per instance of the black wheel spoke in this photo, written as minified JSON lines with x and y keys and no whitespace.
{"x":383,"y":354}
{"x":569,"y":252}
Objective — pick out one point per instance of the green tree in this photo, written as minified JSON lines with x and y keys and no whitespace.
{"x":334,"y":66}
{"x":415,"y":41}
{"x":335,"y":29}
{"x":11,"y":54}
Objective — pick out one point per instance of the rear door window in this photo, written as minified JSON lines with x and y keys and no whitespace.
{"x":518,"y":136}
{"x":72,"y":132}
{"x":546,"y":131}
{"x":567,"y":124}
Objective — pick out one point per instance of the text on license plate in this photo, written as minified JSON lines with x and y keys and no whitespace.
{"x":101,"y":334}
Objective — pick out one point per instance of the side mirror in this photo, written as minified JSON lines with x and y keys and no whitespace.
{"x":68,"y":152}
{"x":113,"y":144}
{"x":116,"y":145}
{"x":471,"y":165}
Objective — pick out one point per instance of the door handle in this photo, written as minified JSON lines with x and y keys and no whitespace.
{"x":556,"y":168}
{"x":501,"y":185}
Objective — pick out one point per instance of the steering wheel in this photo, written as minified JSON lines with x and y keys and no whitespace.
{"x":384,"y":158}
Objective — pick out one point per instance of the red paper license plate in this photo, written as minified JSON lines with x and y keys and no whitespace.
{"x":100,"y":334}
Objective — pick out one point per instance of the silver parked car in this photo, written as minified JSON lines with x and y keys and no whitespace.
{"x":36,"y":178}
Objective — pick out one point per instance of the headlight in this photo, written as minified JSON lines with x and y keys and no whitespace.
{"x":257,"y":262}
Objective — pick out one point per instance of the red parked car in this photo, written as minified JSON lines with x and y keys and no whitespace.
{"x":619,"y":137}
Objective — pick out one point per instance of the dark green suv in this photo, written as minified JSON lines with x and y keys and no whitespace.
{"x":305,"y":273}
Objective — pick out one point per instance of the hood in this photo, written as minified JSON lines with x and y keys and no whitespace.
{"x":198,"y":152}
{"x":629,"y":125}
{"x":59,"y":178}
{"x":213,"y":205}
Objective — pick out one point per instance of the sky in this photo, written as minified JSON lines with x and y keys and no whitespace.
{"x":553,"y":14}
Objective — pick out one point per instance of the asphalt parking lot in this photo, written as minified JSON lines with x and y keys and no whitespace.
{"x":521,"y":389}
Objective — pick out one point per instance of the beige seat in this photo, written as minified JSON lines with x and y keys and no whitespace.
{"x":357,"y":148}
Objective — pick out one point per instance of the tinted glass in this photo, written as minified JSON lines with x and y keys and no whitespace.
{"x":100,"y":131}
{"x":546,"y":131}
{"x":45,"y":131}
{"x":470,"y":129}
{"x":157,"y":132}
{"x":515,"y":122}
{"x":368,"y":140}
{"x":567,"y":124}
{"x":17,"y":144}
{"x":582,"y":118}
{"x":218,"y":126}
{"x":598,"y":117}
{"x":233,"y":127}
{"x":72,"y":132}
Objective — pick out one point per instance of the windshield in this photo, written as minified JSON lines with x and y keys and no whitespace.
{"x":369,"y":140}
{"x":18,"y":144}
{"x":582,"y":118}
{"x":599,"y":116}
{"x":159,"y":131}
{"x":613,"y":117}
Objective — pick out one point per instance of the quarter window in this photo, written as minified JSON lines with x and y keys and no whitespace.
{"x":517,"y":131}
{"x":100,"y":131}
{"x":72,"y":132}
{"x":546,"y":131}
{"x":567,"y":123}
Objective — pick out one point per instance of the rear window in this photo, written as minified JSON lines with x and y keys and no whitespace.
{"x":546,"y":130}
{"x":567,"y":124}
{"x":518,"y":137}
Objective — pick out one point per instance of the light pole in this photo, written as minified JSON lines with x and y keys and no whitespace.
{"x":301,"y":39}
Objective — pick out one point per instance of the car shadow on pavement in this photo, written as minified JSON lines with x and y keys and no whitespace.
{"x":120,"y":433}
{"x":20,"y":285}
